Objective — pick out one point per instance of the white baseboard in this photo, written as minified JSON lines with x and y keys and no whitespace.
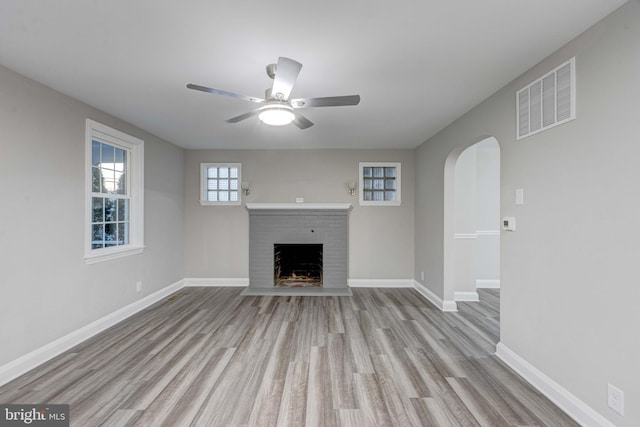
{"x":488,"y":284}
{"x":563,"y":398}
{"x":443,"y":305}
{"x":216,"y":282}
{"x":380,"y":283}
{"x":37,"y":357}
{"x":466,"y":296}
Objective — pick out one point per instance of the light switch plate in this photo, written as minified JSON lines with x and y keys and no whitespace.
{"x":519,"y":196}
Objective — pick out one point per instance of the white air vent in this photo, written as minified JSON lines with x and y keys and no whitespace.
{"x":547,"y":102}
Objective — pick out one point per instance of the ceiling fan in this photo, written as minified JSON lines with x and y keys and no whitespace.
{"x":277,"y":109}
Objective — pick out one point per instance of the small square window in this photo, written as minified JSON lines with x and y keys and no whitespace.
{"x":380,"y":183}
{"x":220,"y":184}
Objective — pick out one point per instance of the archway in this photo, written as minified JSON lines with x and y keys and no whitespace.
{"x":472,"y":220}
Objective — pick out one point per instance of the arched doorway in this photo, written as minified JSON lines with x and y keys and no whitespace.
{"x":472,"y":220}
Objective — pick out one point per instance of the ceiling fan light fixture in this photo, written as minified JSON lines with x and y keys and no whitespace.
{"x":277,"y":115}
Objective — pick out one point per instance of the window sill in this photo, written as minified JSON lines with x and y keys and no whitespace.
{"x":208,"y":203}
{"x":108,"y":255}
{"x":367,"y":203}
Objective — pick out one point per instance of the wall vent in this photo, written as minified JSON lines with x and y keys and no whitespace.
{"x":548,"y":101}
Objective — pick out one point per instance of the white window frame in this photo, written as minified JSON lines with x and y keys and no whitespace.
{"x":135,"y":147}
{"x":398,"y":189}
{"x":203,"y":184}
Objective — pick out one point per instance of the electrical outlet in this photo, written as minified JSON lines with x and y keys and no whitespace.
{"x":299,"y":199}
{"x":615,"y":399}
{"x":139,"y":286}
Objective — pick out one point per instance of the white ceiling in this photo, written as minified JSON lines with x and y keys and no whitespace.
{"x":417,"y":64}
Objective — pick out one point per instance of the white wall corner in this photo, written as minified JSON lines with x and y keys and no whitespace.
{"x":487,"y":284}
{"x":563,"y":398}
{"x":380,"y":283}
{"x":47,"y":352}
{"x":216,"y":282}
{"x":444,"y":305}
{"x":466,"y":296}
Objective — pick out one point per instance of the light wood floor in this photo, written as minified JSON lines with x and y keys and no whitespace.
{"x":210,"y":357}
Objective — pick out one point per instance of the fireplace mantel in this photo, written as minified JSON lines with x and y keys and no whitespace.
{"x":298,"y":206}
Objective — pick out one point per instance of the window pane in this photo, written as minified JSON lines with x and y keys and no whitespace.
{"x":368,"y":184}
{"x":390,"y":172}
{"x":96,"y":180}
{"x":212,"y":184}
{"x":121,"y":187}
{"x":389,"y":196}
{"x":233,"y":184}
{"x":110,"y":234}
{"x":123,"y":233}
{"x":212,"y":196}
{"x":223,"y":196}
{"x":223,"y":184}
{"x":367,"y":172}
{"x":120,"y":164}
{"x":212,"y":172}
{"x":378,"y":184}
{"x":123,"y":210}
{"x":368,"y":195}
{"x":233,"y":173}
{"x":378,"y":196}
{"x":98,"y":209}
{"x":223,"y":172}
{"x":95,"y":153}
{"x":108,"y":154}
{"x":390,"y":184}
{"x":233,"y":196}
{"x":97,"y":236}
{"x":110,"y":210}
{"x":108,"y":181}
{"x":378,"y":172}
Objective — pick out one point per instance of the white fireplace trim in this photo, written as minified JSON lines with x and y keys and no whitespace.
{"x":278,"y":206}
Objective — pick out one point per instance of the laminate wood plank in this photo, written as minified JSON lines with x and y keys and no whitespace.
{"x":320,"y":404}
{"x":371,"y":400}
{"x":211,"y":357}
{"x":390,"y":389}
{"x":293,"y":403}
{"x":341,"y":372}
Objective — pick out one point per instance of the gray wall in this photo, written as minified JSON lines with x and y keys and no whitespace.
{"x":568,"y":274}
{"x":381,"y":238}
{"x":47,"y":289}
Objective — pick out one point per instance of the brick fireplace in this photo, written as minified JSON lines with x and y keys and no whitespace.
{"x":312,"y":240}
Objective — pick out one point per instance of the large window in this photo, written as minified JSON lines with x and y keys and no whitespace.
{"x":114,"y":193}
{"x":380,"y":183}
{"x":220,"y":184}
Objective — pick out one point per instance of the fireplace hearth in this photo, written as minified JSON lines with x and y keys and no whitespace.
{"x":297,"y":265}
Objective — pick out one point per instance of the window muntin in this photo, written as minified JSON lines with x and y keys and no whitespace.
{"x":220,"y":184}
{"x":380,"y":183}
{"x":114,"y":193}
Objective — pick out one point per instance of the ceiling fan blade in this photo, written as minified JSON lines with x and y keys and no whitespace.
{"x":286,"y":75}
{"x":302,"y":122}
{"x":329,"y":101}
{"x":224,"y":93}
{"x":244,"y":116}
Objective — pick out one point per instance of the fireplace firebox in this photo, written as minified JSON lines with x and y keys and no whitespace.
{"x":297,"y":265}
